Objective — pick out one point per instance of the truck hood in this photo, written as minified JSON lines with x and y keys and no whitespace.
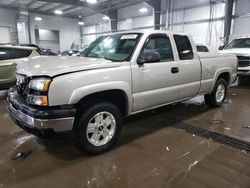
{"x":54,"y":65}
{"x":245,"y":51}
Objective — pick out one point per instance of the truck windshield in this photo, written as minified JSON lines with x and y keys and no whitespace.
{"x":239,"y":43}
{"x":117,"y":47}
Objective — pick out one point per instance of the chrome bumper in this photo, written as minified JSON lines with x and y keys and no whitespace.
{"x":27,"y":122}
{"x":243,"y":71}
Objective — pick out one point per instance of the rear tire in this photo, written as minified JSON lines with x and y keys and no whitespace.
{"x":218,"y":95}
{"x":98,"y":129}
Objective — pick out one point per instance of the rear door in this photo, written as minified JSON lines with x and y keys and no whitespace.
{"x":190,"y":66}
{"x":156,"y":83}
{"x":7,"y":66}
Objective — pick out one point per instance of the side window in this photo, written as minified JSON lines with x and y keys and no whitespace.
{"x":184,"y":47}
{"x":22,"y":53}
{"x":6,"y":53}
{"x":162,"y":45}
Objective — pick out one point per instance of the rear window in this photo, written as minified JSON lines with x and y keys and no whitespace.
{"x":184,"y":47}
{"x":6,"y":53}
{"x":21,"y":53}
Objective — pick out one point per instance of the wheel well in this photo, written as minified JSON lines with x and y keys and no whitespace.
{"x":225,"y":76}
{"x":116,"y":97}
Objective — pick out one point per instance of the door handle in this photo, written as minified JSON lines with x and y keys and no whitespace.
{"x":174,"y":70}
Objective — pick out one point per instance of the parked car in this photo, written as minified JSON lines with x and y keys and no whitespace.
{"x":10,"y":56}
{"x":241,"y":48}
{"x":38,"y":49}
{"x":41,"y":51}
{"x":202,"y":48}
{"x":48,"y":52}
{"x":117,"y":75}
{"x":69,"y":53}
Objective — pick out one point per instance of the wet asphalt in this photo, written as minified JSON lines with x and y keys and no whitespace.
{"x":150,"y":152}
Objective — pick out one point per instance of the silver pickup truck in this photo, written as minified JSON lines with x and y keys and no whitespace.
{"x":117,"y":75}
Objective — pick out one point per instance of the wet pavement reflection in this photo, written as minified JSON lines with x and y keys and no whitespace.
{"x":150,"y":152}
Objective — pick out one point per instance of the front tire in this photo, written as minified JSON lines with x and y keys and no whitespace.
{"x":98,"y":129}
{"x":218,"y":95}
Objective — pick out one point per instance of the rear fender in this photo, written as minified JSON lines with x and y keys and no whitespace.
{"x":218,"y":73}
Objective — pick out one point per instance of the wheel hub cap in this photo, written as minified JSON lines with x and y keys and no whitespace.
{"x":101,"y":128}
{"x":220,"y":93}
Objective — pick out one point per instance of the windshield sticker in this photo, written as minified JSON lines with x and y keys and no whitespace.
{"x":125,"y":37}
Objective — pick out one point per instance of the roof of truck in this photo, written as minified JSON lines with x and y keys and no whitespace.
{"x":148,"y":32}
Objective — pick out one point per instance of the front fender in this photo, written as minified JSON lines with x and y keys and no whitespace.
{"x":84,"y":91}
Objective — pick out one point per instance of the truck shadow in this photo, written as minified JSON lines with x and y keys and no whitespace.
{"x":244,"y":82}
{"x":134,"y":127}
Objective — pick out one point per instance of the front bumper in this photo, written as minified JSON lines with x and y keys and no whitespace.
{"x":40,"y":121}
{"x":243,"y":71}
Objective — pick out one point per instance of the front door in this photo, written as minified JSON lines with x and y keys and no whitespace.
{"x":156,"y":83}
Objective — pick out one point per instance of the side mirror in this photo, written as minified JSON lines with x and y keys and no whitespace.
{"x":149,"y":57}
{"x":221,"y":47}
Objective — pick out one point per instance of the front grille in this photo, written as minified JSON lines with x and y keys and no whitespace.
{"x":243,"y":70}
{"x":22,"y":86}
{"x":243,"y":58}
{"x":244,"y":61}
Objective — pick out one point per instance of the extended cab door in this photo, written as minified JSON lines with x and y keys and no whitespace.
{"x":155,"y":83}
{"x":189,"y":66}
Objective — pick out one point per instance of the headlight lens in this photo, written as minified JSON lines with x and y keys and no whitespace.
{"x":37,"y":100}
{"x":40,"y":94}
{"x":40,"y":84}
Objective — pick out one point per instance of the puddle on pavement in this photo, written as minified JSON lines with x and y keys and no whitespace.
{"x":167,"y":148}
{"x":22,"y":155}
{"x":191,"y":166}
{"x":21,"y":140}
{"x":215,"y":121}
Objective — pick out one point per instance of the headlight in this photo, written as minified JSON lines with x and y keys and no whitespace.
{"x":41,"y":84}
{"x":37,"y":100}
{"x":40,"y":94}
